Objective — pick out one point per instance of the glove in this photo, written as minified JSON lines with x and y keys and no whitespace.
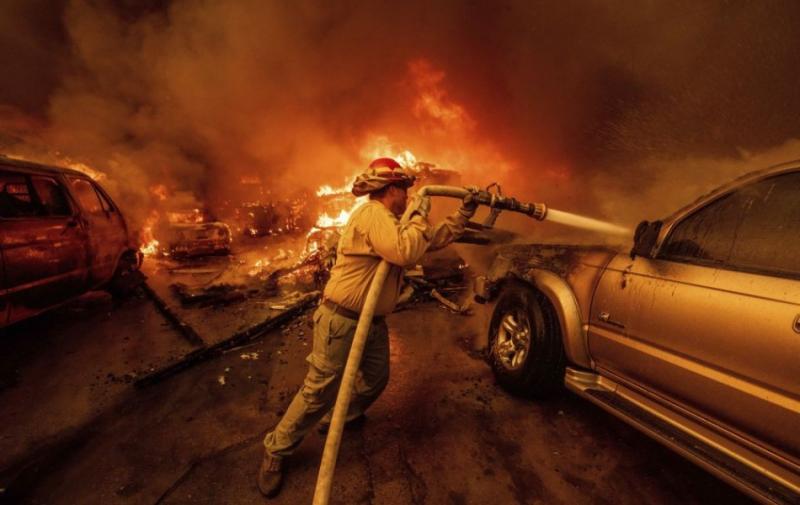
{"x":469,"y":205}
{"x":420,"y":205}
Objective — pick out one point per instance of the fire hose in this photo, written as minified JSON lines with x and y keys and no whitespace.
{"x":496,"y":202}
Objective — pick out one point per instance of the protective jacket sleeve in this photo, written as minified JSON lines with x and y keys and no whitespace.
{"x":401,"y":244}
{"x":451,"y":228}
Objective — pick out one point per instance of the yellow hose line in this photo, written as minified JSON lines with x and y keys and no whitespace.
{"x":322,"y":492}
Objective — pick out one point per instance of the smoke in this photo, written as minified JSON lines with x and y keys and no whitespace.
{"x":611,"y":109}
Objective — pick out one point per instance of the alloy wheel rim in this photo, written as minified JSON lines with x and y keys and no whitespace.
{"x":513,"y":342}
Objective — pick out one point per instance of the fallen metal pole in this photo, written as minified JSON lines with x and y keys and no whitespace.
{"x":322,"y":492}
{"x":245,"y":336}
{"x":184,"y":329}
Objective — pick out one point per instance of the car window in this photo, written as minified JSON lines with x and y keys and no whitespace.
{"x":15,"y":196}
{"x":769,"y":235}
{"x":753,"y":228}
{"x":104,"y":202}
{"x":52,"y":197}
{"x":86,"y":195}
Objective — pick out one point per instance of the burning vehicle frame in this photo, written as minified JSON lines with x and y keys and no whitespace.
{"x":194,"y":233}
{"x":61,"y":235}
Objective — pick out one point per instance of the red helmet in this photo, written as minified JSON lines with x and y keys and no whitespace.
{"x":381,"y":173}
{"x":385,"y":163}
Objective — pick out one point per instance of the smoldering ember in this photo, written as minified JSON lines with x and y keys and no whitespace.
{"x":395,"y":253}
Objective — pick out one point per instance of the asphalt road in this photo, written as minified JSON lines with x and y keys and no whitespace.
{"x":76,"y":431}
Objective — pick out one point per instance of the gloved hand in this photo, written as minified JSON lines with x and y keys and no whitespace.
{"x":470,"y":204}
{"x":420,"y":205}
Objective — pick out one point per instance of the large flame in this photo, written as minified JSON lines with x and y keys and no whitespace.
{"x":433,"y":105}
{"x":326,"y":221}
{"x":149,"y":245}
{"x":378,"y":148}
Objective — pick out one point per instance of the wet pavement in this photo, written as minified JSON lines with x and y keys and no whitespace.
{"x":75,"y":430}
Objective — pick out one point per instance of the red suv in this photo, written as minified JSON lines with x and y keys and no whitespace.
{"x":60,"y":236}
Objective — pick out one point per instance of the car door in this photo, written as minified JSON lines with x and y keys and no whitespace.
{"x":712,"y":323}
{"x":3,"y":297}
{"x":42,"y":244}
{"x":106,"y":230}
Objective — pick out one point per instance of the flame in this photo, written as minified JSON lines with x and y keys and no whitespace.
{"x":149,"y":245}
{"x":433,"y":104}
{"x":60,"y":160}
{"x":150,"y":248}
{"x":406,"y":158}
{"x":192,"y":216}
{"x":326,"y":190}
{"x":159,"y":191}
{"x":259,"y":267}
{"x":377,"y":148}
{"x":327,"y":221}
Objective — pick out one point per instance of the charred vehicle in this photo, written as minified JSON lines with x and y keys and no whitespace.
{"x":273,"y":218}
{"x":693,"y":337}
{"x":60,"y":236}
{"x":194,"y":233}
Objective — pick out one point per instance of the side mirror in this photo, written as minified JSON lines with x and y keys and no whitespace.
{"x":645,"y":238}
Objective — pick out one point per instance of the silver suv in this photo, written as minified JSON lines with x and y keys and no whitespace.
{"x":693,"y":337}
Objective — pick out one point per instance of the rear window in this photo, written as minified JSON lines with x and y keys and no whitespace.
{"x":16,"y":199}
{"x":87,"y":196}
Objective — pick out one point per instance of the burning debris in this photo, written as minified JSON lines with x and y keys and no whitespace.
{"x":283,"y":248}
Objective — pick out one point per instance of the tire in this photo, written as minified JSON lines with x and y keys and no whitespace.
{"x":127,"y":278}
{"x":532,"y":365}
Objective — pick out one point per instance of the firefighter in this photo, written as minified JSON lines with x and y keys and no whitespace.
{"x":373,"y":233}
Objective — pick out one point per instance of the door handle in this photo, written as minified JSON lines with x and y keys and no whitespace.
{"x":606,"y":318}
{"x":71,"y":223}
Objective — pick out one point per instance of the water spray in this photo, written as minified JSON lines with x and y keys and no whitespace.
{"x":539,"y":211}
{"x":497,"y":203}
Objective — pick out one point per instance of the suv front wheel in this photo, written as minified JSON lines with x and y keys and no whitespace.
{"x":525,"y":348}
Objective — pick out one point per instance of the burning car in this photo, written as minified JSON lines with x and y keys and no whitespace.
{"x":194,"y":233}
{"x":60,"y":236}
{"x":693,"y":337}
{"x":273,"y":218}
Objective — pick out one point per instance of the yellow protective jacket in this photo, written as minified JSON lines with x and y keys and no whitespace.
{"x":373,"y":233}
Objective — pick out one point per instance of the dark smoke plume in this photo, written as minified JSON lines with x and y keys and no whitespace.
{"x":619,"y":109}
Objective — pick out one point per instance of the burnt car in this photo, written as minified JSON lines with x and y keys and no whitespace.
{"x":693,"y":337}
{"x":194,"y":232}
{"x":60,"y":236}
{"x":273,"y":218}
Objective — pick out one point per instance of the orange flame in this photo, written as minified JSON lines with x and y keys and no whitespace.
{"x":149,"y":245}
{"x":380,"y":147}
{"x":433,"y":103}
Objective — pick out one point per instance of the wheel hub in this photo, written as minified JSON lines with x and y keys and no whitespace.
{"x":513,"y":341}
